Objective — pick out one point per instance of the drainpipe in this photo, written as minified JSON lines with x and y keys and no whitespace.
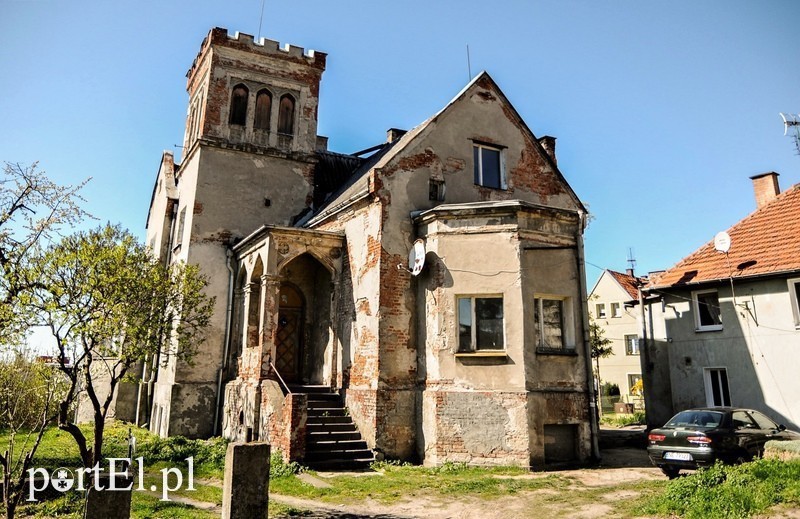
{"x":226,"y":349}
{"x":595,"y":433}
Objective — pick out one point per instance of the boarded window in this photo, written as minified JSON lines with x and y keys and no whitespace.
{"x":286,"y":115}
{"x":239,"y":105}
{"x":560,"y":443}
{"x":263,"y":109}
{"x":549,"y":322}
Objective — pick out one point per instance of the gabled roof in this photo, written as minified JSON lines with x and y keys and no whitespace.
{"x":628,"y":283}
{"x":764,"y":243}
{"x":357,"y":185}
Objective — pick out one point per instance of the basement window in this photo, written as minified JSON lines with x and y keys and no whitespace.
{"x":480,"y":324}
{"x":489,"y":166}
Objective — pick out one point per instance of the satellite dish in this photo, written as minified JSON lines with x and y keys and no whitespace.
{"x":416,"y":258}
{"x":722,"y":242}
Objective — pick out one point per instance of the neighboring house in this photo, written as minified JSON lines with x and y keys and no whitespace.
{"x":481,"y":358}
{"x":610,"y":307}
{"x":733,"y":320}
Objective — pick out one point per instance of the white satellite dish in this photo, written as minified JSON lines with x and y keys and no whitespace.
{"x":722,"y":242}
{"x":416,"y":258}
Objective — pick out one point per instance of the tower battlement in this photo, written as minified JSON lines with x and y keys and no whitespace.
{"x":266,"y":47}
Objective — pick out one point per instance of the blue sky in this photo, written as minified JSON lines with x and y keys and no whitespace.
{"x":662,"y":110}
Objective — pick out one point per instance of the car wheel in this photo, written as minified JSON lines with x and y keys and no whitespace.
{"x":670,"y":472}
{"x":742,"y":458}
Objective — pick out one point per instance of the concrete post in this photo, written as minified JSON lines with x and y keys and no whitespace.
{"x":245,"y":492}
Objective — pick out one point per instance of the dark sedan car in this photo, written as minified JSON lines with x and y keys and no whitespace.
{"x":698,"y":437}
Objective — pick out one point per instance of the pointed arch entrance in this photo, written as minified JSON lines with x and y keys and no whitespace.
{"x":304,"y":337}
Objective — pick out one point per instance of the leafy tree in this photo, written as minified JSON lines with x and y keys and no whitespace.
{"x":29,"y":392}
{"x":32,"y":209}
{"x":109,"y":305}
{"x":601,"y":348}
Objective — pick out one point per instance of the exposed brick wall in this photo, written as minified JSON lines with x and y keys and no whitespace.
{"x":478,"y":427}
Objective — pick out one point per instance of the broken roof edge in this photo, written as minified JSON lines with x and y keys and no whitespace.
{"x":266,"y":229}
{"x":478,"y":207}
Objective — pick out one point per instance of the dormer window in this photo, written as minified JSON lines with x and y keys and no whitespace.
{"x":286,"y":115}
{"x":489,"y":166}
{"x":239,"y":105}
{"x":263,"y":109}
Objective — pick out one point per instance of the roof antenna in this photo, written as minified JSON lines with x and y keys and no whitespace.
{"x":469,"y":65}
{"x":631,"y":262}
{"x":260,"y":20}
{"x":792,"y":120}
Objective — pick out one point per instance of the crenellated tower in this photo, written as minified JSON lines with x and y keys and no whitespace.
{"x":248,"y":161}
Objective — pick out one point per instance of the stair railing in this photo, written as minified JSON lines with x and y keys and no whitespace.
{"x":280,"y":378}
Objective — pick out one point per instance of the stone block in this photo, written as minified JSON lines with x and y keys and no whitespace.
{"x":245,"y":493}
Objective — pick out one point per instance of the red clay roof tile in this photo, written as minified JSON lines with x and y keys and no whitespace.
{"x":765,"y":242}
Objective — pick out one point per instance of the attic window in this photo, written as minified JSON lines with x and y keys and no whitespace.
{"x":239,"y":105}
{"x":489,"y":166}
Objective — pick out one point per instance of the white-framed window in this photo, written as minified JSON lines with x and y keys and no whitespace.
{"x":480,"y":323}
{"x":552,"y":323}
{"x":633,"y":379}
{"x":794,"y":295}
{"x":600,"y":310}
{"x":717,"y":391}
{"x":489,"y":164}
{"x":632,"y":345}
{"x":707,"y":312}
{"x":616,"y":310}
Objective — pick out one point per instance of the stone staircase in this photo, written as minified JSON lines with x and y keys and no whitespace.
{"x":332,"y":439}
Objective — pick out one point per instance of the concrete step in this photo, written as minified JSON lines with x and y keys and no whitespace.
{"x":335,"y":445}
{"x":338,"y":454}
{"x":324,"y":420}
{"x":327,"y":435}
{"x":319,"y":427}
{"x":340,"y":464}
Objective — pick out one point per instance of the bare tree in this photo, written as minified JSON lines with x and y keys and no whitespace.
{"x":32,"y":210}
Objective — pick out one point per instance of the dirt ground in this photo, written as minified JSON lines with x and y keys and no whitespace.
{"x":618,"y":466}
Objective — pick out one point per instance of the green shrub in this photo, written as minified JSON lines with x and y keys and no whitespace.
{"x":281,"y":469}
{"x":621,"y":420}
{"x":176,"y":449}
{"x":730,"y":491}
{"x":609,"y":389}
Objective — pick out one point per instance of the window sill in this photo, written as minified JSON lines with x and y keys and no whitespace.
{"x":568,"y":352}
{"x":704,"y":329}
{"x":489,"y":353}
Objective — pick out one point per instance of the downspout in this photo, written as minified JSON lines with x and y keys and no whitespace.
{"x":227,"y":344}
{"x":579,"y":258}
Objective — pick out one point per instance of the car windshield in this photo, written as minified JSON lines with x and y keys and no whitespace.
{"x":705,"y":419}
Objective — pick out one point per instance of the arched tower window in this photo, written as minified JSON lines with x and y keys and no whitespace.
{"x":239,"y":105}
{"x":286,"y":115}
{"x":263,"y":109}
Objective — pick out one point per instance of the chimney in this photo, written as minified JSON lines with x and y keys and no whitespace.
{"x":765,"y":187}
{"x":392,"y":134}
{"x":629,"y":271}
{"x":549,"y":145}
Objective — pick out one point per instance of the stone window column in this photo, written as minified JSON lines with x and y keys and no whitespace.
{"x":270,"y":303}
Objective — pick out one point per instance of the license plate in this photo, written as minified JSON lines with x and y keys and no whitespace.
{"x":680,"y":456}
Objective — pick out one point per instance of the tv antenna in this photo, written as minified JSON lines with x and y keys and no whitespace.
{"x":631,"y":260}
{"x":469,"y":65}
{"x":792,"y":121}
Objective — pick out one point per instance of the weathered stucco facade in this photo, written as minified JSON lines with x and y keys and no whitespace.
{"x":482,"y":357}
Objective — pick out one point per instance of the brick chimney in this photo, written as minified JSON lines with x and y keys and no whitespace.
{"x":392,"y":134}
{"x":765,"y":187}
{"x":549,"y":145}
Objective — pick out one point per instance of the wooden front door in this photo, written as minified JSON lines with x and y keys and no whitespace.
{"x":289,"y":338}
